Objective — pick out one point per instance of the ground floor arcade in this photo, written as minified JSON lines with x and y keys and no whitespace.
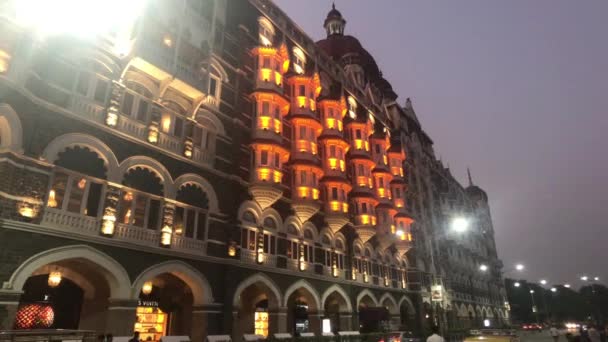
{"x":58,"y":284}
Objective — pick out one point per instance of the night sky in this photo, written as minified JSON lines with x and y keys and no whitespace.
{"x":515,"y":89}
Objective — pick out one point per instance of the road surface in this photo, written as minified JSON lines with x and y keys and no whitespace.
{"x":539,"y":337}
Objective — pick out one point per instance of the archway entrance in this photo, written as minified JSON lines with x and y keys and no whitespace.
{"x":372,"y":318}
{"x":164,"y":308}
{"x":407,"y":316}
{"x":65,"y":294}
{"x":256,"y":306}
{"x":337,"y":311}
{"x":302,"y":312}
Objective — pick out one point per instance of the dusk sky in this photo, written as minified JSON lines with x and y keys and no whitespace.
{"x":515,"y":89}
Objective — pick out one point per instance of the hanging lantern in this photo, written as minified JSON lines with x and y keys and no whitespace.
{"x":334,"y":266}
{"x":27,"y":210}
{"x":385,"y":280}
{"x":54,"y":279}
{"x":153,"y":132}
{"x":260,"y":249}
{"x":354,"y":273}
{"x":188,"y":147}
{"x":165,"y":236}
{"x":232,"y":249}
{"x":52,"y":202}
{"x":146,"y":289}
{"x":302,"y":261}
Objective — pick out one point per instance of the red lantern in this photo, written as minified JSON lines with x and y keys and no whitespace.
{"x":34,"y":316}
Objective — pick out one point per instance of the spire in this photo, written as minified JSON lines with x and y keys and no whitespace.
{"x":470,"y":179}
{"x":333,"y":5}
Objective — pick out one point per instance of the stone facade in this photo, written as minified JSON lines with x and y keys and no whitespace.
{"x":220,"y":163}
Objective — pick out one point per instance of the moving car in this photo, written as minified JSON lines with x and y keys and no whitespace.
{"x":532,"y":327}
{"x":493,"y":335}
{"x":404,"y":336}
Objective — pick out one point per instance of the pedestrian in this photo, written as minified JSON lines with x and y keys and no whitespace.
{"x":135,"y":337}
{"x":435,"y":337}
{"x":594,"y":335}
{"x":554,"y":333}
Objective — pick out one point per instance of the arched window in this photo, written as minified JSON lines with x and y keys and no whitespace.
{"x":292,"y":230}
{"x":299,"y":60}
{"x":191,"y":217}
{"x":249,"y":217}
{"x":77,"y":185}
{"x":270,"y":223}
{"x":308,"y":235}
{"x":266,"y":31}
{"x":326,"y":240}
{"x":140,"y":204}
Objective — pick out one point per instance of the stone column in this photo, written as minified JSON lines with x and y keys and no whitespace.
{"x":278,"y":320}
{"x":349,"y":321}
{"x":315,"y":322}
{"x":108,"y":221}
{"x":9,"y":302}
{"x":121,"y":317}
{"x":167,"y":229}
{"x":205,"y":321}
{"x":113,"y":110}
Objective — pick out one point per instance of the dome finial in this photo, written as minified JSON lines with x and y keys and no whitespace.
{"x":470,"y":178}
{"x":334,"y":23}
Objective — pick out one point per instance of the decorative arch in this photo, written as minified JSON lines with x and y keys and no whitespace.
{"x":191,"y":178}
{"x":202,"y":115}
{"x":293,"y":220}
{"x":339,"y":290}
{"x":368,"y":293}
{"x":273,"y":214}
{"x":201,"y":289}
{"x":153,"y":165}
{"x":61,"y":143}
{"x":252,"y":207}
{"x":339,"y":237}
{"x":309,"y":226}
{"x":116,"y":276}
{"x":408,"y":302}
{"x":302,"y":284}
{"x":388,"y":297}
{"x":217,"y":66}
{"x":257,"y":278}
{"x":138,"y":77}
{"x":326,"y":232}
{"x":11,"y":131}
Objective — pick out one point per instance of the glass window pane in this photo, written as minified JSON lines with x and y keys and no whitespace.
{"x":59,"y":185}
{"x":124,"y":207}
{"x":140,"y":210}
{"x":127,"y":104}
{"x":200,"y":226}
{"x":190,"y":223}
{"x":93,"y":199}
{"x":79,"y":184}
{"x":142,"y":111}
{"x":154,"y":214}
{"x":101,"y":90}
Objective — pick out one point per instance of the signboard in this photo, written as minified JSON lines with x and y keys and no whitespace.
{"x":436,"y":293}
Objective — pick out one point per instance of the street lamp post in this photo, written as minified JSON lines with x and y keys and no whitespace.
{"x":592,"y":281}
{"x":534,"y":308}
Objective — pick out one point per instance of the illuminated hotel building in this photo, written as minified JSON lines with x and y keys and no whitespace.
{"x":203,"y":167}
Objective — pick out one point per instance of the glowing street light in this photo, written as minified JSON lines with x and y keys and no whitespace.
{"x":553,"y":289}
{"x":584,"y":278}
{"x":519,"y":267}
{"x":517,"y":284}
{"x":596,"y":278}
{"x":567,"y":286}
{"x":543,"y":282}
{"x":460,"y":224}
{"x":531,"y":291}
{"x":483,"y":268}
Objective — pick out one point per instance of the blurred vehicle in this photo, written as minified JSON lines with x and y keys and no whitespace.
{"x":403,"y":336}
{"x":493,"y":335}
{"x":532,"y":327}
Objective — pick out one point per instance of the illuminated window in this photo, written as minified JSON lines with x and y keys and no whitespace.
{"x":352,"y":107}
{"x":299,"y":61}
{"x":266,"y":31}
